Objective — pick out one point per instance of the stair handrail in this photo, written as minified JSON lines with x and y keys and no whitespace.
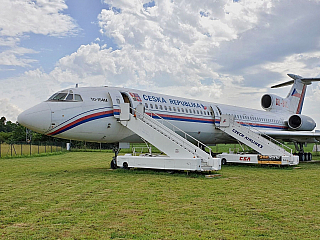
{"x":263,"y":134}
{"x":173,"y":126}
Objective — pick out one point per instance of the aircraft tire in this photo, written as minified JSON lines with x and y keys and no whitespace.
{"x":310,"y":156}
{"x":301,"y":157}
{"x":306,"y":156}
{"x":223,"y":161}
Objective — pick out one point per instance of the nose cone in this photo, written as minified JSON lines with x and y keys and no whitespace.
{"x":37,"y":118}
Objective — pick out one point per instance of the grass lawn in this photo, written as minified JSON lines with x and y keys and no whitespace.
{"x":76,"y":196}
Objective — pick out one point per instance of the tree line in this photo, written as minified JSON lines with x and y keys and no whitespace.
{"x":13,"y":132}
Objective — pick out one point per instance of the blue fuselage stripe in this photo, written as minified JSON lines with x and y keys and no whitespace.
{"x":172,"y":118}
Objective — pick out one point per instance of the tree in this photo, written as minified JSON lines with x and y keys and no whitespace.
{"x":10,"y":126}
{"x":18,"y":133}
{"x":3,"y":124}
{"x":4,"y":137}
{"x":14,"y":132}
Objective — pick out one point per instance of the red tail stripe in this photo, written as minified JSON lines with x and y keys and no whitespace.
{"x":301,"y":99}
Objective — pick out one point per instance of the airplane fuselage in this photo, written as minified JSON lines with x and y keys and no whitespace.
{"x":90,"y":114}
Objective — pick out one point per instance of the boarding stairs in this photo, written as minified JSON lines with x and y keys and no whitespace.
{"x":263,"y":144}
{"x":152,"y":128}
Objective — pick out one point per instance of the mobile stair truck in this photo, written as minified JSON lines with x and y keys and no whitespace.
{"x":181,"y":154}
{"x":270,"y":151}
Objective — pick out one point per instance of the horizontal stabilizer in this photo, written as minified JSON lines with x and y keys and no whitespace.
{"x":306,"y":81}
{"x":283,"y":84}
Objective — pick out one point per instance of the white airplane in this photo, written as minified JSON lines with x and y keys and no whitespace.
{"x":91,"y":114}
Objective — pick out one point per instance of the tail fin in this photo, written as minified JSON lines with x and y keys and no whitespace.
{"x":297,"y":93}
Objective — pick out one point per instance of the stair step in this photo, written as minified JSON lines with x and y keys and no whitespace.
{"x":156,"y":128}
{"x":243,"y":134}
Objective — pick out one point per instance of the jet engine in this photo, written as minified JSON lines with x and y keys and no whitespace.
{"x":271,"y":102}
{"x":301,"y":123}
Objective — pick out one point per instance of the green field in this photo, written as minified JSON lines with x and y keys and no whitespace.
{"x":76,"y":196}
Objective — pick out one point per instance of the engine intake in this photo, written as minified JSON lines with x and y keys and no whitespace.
{"x":271,"y":102}
{"x":301,"y":123}
{"x":266,"y":101}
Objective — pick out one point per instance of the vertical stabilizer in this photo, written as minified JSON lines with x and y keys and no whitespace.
{"x":297,"y":93}
{"x":296,"y":96}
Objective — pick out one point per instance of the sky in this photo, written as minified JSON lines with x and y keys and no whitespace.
{"x":223,"y":51}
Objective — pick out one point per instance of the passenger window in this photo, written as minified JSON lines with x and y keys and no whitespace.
{"x":174,"y":108}
{"x":151,"y":106}
{"x":178,"y":109}
{"x":197,"y":111}
{"x":165,"y":107}
{"x":190,"y":110}
{"x":169,"y":108}
{"x":146,"y":105}
{"x":156,"y":106}
{"x":194,"y":111}
{"x":160,"y":106}
{"x":201,"y":112}
{"x":182,"y":110}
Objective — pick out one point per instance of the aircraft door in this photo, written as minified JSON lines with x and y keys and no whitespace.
{"x":133,"y":98}
{"x":116,"y":99}
{"x":216,"y":114}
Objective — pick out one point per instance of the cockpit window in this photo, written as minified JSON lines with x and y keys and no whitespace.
{"x":66,"y":95}
{"x":78,"y":98}
{"x":70,"y":97}
{"x":59,"y":96}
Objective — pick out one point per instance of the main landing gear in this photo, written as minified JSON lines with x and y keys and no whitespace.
{"x":303,"y":156}
{"x":116,"y":150}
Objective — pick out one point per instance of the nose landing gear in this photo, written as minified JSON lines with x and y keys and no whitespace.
{"x":113,"y":163}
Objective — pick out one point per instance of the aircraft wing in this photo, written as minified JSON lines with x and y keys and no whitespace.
{"x":297,"y":136}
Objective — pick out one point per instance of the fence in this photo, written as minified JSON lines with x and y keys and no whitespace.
{"x":23,"y":148}
{"x":19,"y":149}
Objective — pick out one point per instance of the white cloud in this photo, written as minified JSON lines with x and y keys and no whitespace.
{"x":20,"y":17}
{"x":171,"y":43}
{"x":26,"y":91}
{"x":40,"y":17}
{"x":304,"y":64}
{"x":222,"y":51}
{"x":8,"y":110}
{"x":12,"y":57}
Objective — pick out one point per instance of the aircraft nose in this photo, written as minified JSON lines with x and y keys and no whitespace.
{"x":37,"y":118}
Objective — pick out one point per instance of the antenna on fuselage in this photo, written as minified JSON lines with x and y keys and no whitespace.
{"x":77,"y":85}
